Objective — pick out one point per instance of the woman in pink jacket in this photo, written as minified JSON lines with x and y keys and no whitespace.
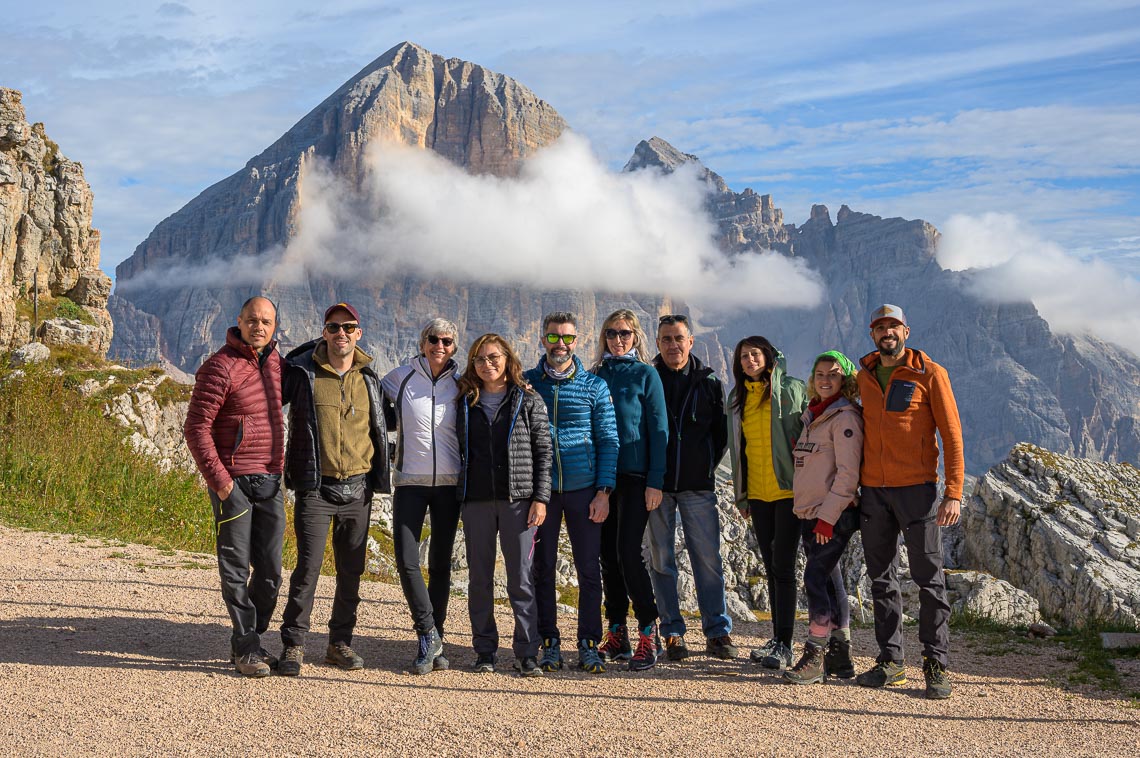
{"x":827,"y":455}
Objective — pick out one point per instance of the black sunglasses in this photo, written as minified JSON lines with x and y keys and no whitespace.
{"x":567,"y":339}
{"x":334,"y":328}
{"x":674,"y":318}
{"x":613,"y":334}
{"x":435,"y":340}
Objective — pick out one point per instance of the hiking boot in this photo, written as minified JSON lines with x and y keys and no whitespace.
{"x":937,"y":679}
{"x":615,"y":644}
{"x":779,"y":659}
{"x":889,"y":674}
{"x":484,"y":663}
{"x":252,"y":665}
{"x":809,"y":668}
{"x":431,"y":647}
{"x":529,"y":666}
{"x":675,"y":648}
{"x":291,"y":658}
{"x":721,"y":647}
{"x":645,"y":655}
{"x":265,"y":655}
{"x":551,"y":655}
{"x":343,"y":657}
{"x":762,"y":652}
{"x":589,"y":659}
{"x":837,"y":660}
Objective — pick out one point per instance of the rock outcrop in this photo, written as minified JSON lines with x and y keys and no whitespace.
{"x":1065,"y":530}
{"x":45,"y":229}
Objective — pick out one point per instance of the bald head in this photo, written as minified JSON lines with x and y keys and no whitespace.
{"x":257,"y":321}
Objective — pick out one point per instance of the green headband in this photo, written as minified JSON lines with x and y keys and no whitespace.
{"x":834,"y":355}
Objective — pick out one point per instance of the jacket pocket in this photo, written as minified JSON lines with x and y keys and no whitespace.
{"x":899,"y":396}
{"x":239,"y":436}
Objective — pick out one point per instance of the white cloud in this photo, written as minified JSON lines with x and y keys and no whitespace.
{"x":565,"y":222}
{"x":1008,"y":262}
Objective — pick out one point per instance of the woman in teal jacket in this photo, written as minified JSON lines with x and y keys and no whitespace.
{"x":643,"y":433}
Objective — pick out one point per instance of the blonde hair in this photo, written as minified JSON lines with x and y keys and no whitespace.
{"x":639,"y":339}
{"x":849,"y":390}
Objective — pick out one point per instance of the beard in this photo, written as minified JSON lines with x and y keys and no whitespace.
{"x":893,"y":351}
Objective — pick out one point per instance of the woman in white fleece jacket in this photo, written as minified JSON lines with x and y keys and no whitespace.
{"x":828,"y":455}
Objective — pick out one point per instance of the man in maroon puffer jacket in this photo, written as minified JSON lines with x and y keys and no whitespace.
{"x":235,"y":432}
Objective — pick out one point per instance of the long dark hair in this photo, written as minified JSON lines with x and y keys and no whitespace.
{"x":470,"y":384}
{"x":738,"y":375}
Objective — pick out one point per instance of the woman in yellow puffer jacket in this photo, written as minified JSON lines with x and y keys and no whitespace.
{"x":767,"y":405}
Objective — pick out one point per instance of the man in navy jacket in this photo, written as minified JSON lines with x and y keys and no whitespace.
{"x":585,"y":439}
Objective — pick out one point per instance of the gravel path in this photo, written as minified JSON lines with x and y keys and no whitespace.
{"x":118,"y":649}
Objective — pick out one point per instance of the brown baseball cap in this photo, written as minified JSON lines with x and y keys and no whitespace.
{"x":342,"y":307}
{"x":888,"y":311}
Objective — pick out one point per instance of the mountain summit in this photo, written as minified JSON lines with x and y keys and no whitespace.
{"x":1015,"y":379}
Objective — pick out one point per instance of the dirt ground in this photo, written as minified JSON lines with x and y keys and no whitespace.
{"x":121,"y":650}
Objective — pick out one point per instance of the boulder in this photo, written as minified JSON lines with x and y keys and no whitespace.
{"x":1065,"y":530}
{"x":33,"y":352}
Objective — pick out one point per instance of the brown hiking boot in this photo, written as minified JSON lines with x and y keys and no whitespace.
{"x":809,"y":668}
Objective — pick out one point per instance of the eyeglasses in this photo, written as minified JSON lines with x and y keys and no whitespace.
{"x":669,"y":339}
{"x":493,"y":359}
{"x":567,"y":339}
{"x":622,"y":334}
{"x":674,"y":318}
{"x":334,"y":328}
{"x":436,"y":339}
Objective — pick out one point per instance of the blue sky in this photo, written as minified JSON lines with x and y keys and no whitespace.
{"x":921,"y":110}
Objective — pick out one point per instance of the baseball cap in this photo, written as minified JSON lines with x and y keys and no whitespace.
{"x":342,"y":307}
{"x":886,"y":310}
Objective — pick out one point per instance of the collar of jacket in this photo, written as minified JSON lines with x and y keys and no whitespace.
{"x":697,"y":370}
{"x":419,"y":364}
{"x":841,"y":404}
{"x":913,"y":360}
{"x":234,"y":340}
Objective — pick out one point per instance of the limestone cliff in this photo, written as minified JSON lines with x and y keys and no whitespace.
{"x":1067,"y":531}
{"x":45,"y":228}
{"x":1013,"y":377}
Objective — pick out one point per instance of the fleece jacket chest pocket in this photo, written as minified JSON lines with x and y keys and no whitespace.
{"x":899,"y":396}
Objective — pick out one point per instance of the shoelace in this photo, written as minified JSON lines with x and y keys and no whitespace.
{"x":645,"y":647}
{"x":425,"y":645}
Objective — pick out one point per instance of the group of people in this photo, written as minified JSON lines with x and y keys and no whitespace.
{"x":618,"y":451}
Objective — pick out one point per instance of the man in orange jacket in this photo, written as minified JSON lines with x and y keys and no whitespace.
{"x":906,"y":399}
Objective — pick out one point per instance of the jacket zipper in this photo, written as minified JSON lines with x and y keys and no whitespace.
{"x":680,"y":421}
{"x":557,"y":449}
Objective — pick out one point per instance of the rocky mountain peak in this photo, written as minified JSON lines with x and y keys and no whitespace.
{"x":45,"y":232}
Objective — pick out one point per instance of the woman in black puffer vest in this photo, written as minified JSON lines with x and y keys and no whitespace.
{"x":504,"y":486}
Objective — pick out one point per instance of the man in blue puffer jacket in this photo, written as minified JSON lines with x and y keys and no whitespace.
{"x":584,"y":433}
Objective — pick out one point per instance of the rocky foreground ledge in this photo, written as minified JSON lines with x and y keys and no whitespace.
{"x":1065,"y":530}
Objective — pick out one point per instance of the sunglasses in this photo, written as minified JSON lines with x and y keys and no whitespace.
{"x":435,"y":340}
{"x":622,"y":334}
{"x":494,"y":359}
{"x":335,"y":328}
{"x":567,"y":339}
{"x":674,"y":318}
